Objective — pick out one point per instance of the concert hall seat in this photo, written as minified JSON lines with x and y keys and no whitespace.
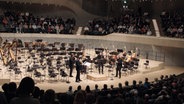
{"x":56,"y":43}
{"x":38,"y":40}
{"x":70,"y":49}
{"x":79,"y":53}
{"x":80,"y":46}
{"x":51,"y":45}
{"x":63,"y":53}
{"x":78,"y":49}
{"x":62,"y":48}
{"x":71,"y":45}
{"x":54,"y":49}
{"x":63,"y":44}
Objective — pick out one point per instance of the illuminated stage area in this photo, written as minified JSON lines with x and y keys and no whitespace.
{"x":154,"y":70}
{"x":60,"y":83}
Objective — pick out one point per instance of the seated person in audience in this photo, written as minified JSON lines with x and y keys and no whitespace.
{"x":24,"y":92}
{"x":80,"y":98}
{"x":70,"y":91}
{"x":50,"y":98}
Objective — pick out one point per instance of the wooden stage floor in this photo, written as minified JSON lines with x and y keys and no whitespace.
{"x":61,"y":86}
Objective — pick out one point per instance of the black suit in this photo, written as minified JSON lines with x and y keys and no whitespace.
{"x":118,"y":67}
{"x":71,"y":64}
{"x":100,"y":60}
{"x":78,"y":69}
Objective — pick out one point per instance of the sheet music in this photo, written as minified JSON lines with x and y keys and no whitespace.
{"x":87,"y":64}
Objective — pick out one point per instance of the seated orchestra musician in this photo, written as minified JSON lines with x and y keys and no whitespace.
{"x":130,"y":60}
{"x":124,"y":60}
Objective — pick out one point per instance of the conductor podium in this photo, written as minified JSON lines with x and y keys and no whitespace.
{"x":96,"y":77}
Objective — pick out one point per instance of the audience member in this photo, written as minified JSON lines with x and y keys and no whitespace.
{"x":50,"y":98}
{"x":36,"y":92}
{"x":79,"y":98}
{"x":24,"y":92}
{"x":172,"y":24}
{"x":3,"y":95}
{"x":167,"y":90}
{"x":128,"y":23}
{"x":70,"y":91}
{"x":11,"y":91}
{"x":19,"y":22}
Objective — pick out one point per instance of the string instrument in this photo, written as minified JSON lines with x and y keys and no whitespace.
{"x":12,"y":56}
{"x":3,"y":57}
{"x":129,"y":59}
{"x":3,"y":50}
{"x":134,"y":55}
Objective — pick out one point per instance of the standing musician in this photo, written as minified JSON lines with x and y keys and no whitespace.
{"x":78,"y":69}
{"x":100,"y":62}
{"x":71,"y":64}
{"x":118,"y":67}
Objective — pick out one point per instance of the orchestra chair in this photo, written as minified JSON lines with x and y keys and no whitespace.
{"x":110,"y":70}
{"x":17,"y":72}
{"x":37,"y":74}
{"x":52,"y":74}
{"x":29,"y":71}
{"x":10,"y":71}
{"x":64,"y":75}
{"x":124,"y":70}
{"x":131,"y":66}
{"x":135,"y":67}
{"x":146,"y":64}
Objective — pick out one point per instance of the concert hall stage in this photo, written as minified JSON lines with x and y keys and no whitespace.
{"x":108,"y":78}
{"x":6,"y":75}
